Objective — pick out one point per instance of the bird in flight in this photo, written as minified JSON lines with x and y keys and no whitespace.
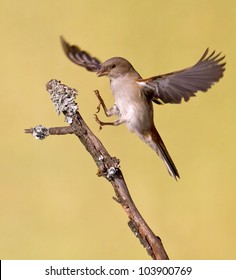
{"x":134,"y":96}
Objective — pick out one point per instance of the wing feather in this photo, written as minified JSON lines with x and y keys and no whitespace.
{"x":183,"y":84}
{"x":79,"y":57}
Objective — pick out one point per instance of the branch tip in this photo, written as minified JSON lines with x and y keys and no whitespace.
{"x":63,"y":98}
{"x":39,"y":132}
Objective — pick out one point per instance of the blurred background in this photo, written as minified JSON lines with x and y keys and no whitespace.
{"x":53,"y":206}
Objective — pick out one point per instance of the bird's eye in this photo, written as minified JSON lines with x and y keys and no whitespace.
{"x":113,"y":66}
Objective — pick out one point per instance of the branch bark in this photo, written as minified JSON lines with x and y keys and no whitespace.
{"x":108,"y":166}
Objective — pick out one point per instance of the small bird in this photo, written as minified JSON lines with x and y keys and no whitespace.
{"x":134,"y":96}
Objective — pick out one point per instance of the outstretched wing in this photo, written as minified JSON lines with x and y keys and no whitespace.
{"x":82,"y":58}
{"x":175,"y":86}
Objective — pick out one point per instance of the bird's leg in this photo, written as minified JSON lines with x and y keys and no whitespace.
{"x":101,"y":123}
{"x":101,"y":103}
{"x":112,"y":111}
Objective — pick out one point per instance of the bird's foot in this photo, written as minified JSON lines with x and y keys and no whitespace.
{"x":105,"y":123}
{"x":101,"y":103}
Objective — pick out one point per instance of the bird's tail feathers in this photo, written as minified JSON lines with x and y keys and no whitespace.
{"x":155,"y":142}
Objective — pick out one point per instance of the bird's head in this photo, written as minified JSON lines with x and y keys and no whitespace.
{"x":115,"y":67}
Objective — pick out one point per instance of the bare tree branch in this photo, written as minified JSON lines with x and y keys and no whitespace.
{"x":63,"y":99}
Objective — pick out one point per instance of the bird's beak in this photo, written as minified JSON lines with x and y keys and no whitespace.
{"x":102,"y":72}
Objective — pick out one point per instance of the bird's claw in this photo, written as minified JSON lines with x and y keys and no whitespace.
{"x":98,"y":108}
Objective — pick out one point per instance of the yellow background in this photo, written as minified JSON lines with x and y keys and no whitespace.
{"x":53,"y":206}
